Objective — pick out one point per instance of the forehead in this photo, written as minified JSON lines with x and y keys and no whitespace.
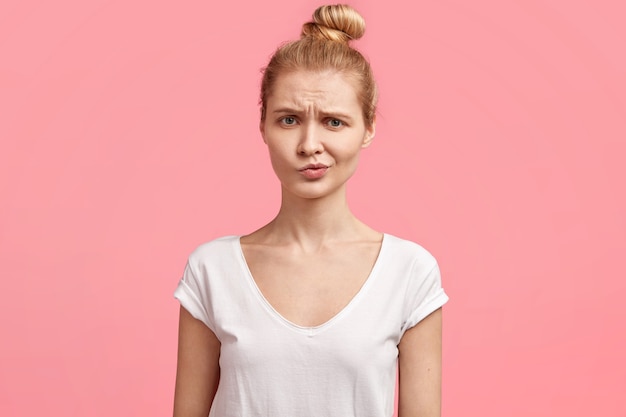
{"x":315,"y":88}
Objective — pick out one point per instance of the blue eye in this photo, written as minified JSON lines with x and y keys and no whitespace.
{"x":335,"y":123}
{"x":288,"y":120}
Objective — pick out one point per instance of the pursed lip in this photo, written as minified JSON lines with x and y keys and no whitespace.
{"x":313,"y":166}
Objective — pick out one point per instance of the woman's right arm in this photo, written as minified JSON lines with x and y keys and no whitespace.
{"x":198,"y":370}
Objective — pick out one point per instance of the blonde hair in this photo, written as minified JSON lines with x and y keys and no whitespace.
{"x":324,"y":45}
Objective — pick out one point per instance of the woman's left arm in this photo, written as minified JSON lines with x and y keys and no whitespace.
{"x":419,"y":364}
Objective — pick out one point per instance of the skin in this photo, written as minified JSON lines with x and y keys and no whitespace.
{"x":312,"y":117}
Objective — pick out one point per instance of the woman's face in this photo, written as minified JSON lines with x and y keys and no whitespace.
{"x":314,"y":130}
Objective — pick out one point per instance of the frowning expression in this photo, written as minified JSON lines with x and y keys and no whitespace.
{"x":314,"y":130}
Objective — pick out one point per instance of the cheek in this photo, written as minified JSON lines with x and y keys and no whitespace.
{"x":277,"y":157}
{"x":348,"y":151}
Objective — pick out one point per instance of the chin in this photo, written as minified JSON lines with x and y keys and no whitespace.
{"x":313,"y":191}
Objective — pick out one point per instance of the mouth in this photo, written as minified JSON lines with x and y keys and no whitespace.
{"x":313,"y":171}
{"x":314,"y":166}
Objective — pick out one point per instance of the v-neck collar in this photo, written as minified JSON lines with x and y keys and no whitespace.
{"x":309,"y":330}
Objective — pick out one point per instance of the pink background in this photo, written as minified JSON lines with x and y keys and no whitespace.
{"x":129,"y":136}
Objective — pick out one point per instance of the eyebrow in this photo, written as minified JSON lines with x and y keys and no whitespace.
{"x":289,"y":110}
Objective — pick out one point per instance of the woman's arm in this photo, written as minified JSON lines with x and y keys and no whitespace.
{"x":198,"y":371}
{"x":420,"y":369}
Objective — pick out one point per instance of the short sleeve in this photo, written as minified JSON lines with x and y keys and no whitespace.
{"x":424,"y":295}
{"x":191,"y":292}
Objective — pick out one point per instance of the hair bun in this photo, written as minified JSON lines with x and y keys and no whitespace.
{"x":337,"y":22}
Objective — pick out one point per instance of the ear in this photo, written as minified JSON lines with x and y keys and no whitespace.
{"x":262,"y":129}
{"x":370,"y":132}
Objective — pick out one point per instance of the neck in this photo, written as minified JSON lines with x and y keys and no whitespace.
{"x":313,"y":222}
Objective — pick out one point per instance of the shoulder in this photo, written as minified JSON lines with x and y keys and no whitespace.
{"x":215,"y":249}
{"x":204,"y":277}
{"x":410,"y":252}
{"x":421,"y":278}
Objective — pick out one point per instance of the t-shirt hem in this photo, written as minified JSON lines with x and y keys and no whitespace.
{"x":435,"y":302}
{"x":190,"y":302}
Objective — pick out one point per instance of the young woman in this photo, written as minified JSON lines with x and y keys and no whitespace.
{"x":314,"y":313}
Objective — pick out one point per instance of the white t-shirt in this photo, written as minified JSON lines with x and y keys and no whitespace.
{"x":270,"y":367}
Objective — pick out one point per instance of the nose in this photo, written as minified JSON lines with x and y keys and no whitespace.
{"x":310,"y":142}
